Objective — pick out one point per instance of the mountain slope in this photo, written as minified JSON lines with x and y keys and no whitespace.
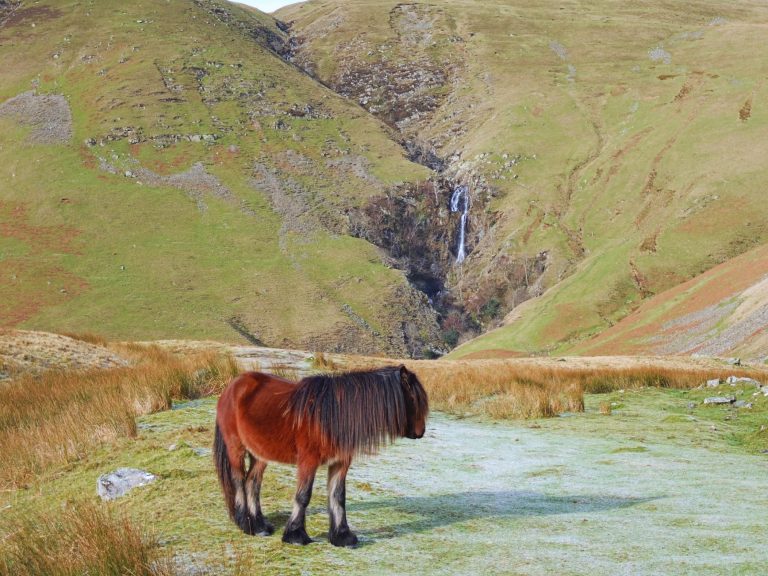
{"x":721,"y":312}
{"x":618,"y":147}
{"x":165,"y":173}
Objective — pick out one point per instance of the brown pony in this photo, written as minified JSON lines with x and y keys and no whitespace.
{"x":325,"y":419}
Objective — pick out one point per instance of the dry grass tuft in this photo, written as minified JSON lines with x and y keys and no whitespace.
{"x":514,"y":389}
{"x":80,"y":539}
{"x":603,"y":380}
{"x":55,"y":417}
{"x":498,"y":389}
{"x":88,"y":338}
{"x":605,"y":408}
{"x":285,"y":372}
{"x":324,"y":363}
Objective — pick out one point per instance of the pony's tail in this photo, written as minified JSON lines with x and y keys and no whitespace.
{"x":224,"y":471}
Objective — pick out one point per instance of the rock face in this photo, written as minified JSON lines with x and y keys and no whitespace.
{"x":402,"y":79}
{"x":116,"y":484}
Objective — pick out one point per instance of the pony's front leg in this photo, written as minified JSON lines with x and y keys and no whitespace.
{"x":339,"y":534}
{"x":258,"y":524}
{"x":295,"y":532}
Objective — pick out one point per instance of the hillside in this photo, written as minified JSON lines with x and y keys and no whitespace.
{"x":721,"y":312}
{"x":611,"y":151}
{"x":372,"y":176}
{"x":164,"y":173}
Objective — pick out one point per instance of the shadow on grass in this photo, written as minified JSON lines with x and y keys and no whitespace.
{"x":445,"y":509}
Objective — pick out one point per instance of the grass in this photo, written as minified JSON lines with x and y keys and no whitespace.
{"x":185,"y":510}
{"x":68,"y":259}
{"x":57,"y":417}
{"x":45,"y":518}
{"x":79,"y":539}
{"x":507,"y":389}
{"x":500,"y":390}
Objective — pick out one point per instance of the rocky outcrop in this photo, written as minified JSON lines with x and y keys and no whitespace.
{"x":271,"y":37}
{"x":402,"y":79}
{"x":47,"y":115}
{"x":417,"y":227}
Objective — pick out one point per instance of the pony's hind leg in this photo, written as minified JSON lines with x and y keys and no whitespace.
{"x":229,"y":456}
{"x":339,"y":533}
{"x":241,"y":513}
{"x":295,"y":531}
{"x":253,"y":480}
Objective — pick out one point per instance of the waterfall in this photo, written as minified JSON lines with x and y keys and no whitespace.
{"x":460,"y":202}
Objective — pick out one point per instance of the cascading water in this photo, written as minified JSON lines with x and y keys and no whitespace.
{"x":460,"y":202}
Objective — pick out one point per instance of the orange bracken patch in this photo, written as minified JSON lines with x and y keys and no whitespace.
{"x":708,"y":289}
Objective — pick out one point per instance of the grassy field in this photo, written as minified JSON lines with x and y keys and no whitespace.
{"x":437,"y":494}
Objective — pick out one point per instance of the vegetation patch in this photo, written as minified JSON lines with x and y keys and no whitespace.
{"x":49,"y":419}
{"x":79,"y":538}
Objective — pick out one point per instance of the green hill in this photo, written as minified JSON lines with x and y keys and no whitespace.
{"x":197,"y":169}
{"x":165,"y":173}
{"x":612,"y":150}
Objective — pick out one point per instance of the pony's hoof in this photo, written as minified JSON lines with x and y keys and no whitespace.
{"x":264,"y":529}
{"x":299,"y":537}
{"x":256,"y":526}
{"x":347,"y":539}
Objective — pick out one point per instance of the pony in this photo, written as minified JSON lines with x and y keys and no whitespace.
{"x":326,"y":419}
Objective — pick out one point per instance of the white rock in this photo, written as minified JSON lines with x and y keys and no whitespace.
{"x":719,"y":400}
{"x":118,"y":483}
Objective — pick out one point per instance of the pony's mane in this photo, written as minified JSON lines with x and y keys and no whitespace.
{"x":356,"y":411}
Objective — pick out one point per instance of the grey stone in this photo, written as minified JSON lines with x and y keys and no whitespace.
{"x":713,"y":383}
{"x":742,"y":404}
{"x":733,"y":380}
{"x":719,"y":400}
{"x":116,"y":484}
{"x":734,"y":361}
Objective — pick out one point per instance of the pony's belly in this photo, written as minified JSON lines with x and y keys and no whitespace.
{"x":281,"y":454}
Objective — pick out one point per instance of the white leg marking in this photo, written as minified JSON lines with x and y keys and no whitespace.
{"x":252,"y":501}
{"x":333,"y":503}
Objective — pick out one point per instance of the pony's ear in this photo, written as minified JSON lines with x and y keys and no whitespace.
{"x":403,"y":372}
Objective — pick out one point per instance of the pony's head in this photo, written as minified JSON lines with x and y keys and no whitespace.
{"x":416,"y":404}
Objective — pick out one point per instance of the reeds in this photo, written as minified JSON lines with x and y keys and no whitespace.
{"x":55,"y":417}
{"x":519,"y":389}
{"x":79,"y":539}
{"x":498,"y":389}
{"x":324,"y":363}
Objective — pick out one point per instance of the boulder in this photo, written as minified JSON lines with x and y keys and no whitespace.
{"x":116,"y":484}
{"x":733,"y":380}
{"x":719,"y":400}
{"x":713,"y":383}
